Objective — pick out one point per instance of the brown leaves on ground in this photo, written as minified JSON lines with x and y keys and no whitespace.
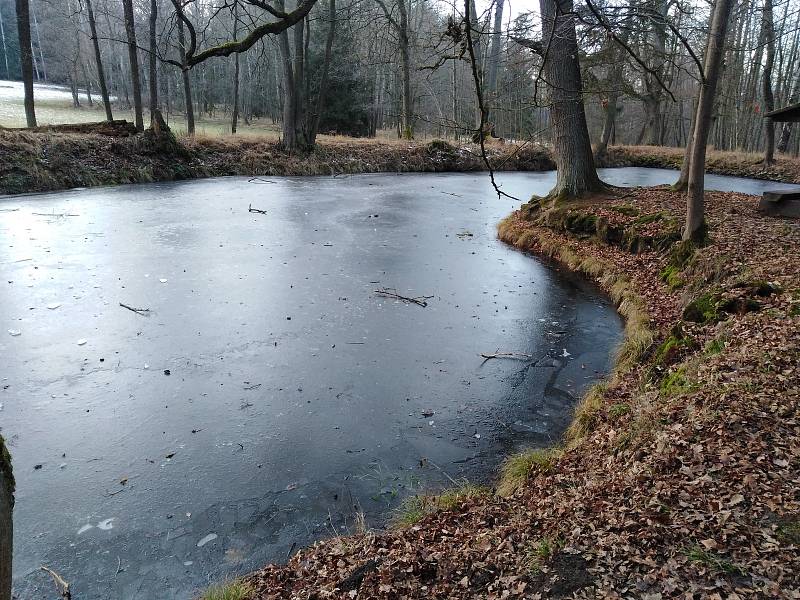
{"x":687,"y":485}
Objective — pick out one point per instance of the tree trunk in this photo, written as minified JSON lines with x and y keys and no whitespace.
{"x":407,"y":117}
{"x":187,"y":84}
{"x":133,"y":59}
{"x":323,"y":83}
{"x":614,"y":85}
{"x":98,"y":61}
{"x":153,"y":62}
{"x":490,"y":96}
{"x":5,"y":47}
{"x":768,"y":36}
{"x":235,"y":109}
{"x":572,"y":148}
{"x":695,"y":201}
{"x":6,"y":521}
{"x":290,"y":140}
{"x":26,"y":58}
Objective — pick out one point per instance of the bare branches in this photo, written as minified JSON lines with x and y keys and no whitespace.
{"x":286,"y":20}
{"x":481,"y":107}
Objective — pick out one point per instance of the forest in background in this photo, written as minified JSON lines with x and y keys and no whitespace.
{"x":352,"y":63}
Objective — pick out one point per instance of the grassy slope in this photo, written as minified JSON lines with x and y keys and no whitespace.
{"x":681,"y":472}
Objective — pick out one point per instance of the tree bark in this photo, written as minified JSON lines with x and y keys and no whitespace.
{"x":768,"y":36}
{"x":572,"y":148}
{"x":493,"y":65}
{"x":133,"y":59}
{"x":695,"y":200}
{"x":407,"y":117}
{"x":323,"y":83}
{"x":153,"y":64}
{"x":187,"y":84}
{"x":235,"y":108}
{"x":6,"y":521}
{"x":26,"y":58}
{"x":98,"y":61}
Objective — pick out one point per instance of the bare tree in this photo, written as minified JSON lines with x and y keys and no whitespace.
{"x":187,"y":84}
{"x":98,"y":60}
{"x":153,"y":60}
{"x":400,"y":26}
{"x":695,"y":195}
{"x":572,"y":149}
{"x":26,"y":58}
{"x":235,"y":105}
{"x":768,"y":39}
{"x":133,"y":59}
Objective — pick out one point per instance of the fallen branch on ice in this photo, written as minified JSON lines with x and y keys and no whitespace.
{"x":419,"y":300}
{"x":255,"y":210}
{"x":138,"y":311}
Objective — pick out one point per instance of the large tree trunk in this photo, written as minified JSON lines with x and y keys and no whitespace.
{"x":326,"y":65}
{"x":133,"y":59}
{"x":657,"y":58}
{"x":26,"y":58}
{"x":572,"y":148}
{"x":187,"y":84}
{"x":290,"y":140}
{"x":768,"y":37}
{"x":6,"y":521}
{"x":695,"y":204}
{"x":153,"y":78}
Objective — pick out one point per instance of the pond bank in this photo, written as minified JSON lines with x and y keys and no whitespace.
{"x":679,"y":474}
{"x":36,"y":162}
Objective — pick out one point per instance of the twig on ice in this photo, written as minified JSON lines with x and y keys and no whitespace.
{"x":419,"y":300}
{"x":255,"y":210}
{"x":61,"y":584}
{"x":138,"y":311}
{"x":515,"y":355}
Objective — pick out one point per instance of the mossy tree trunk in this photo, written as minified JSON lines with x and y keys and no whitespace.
{"x":6,"y":521}
{"x":577,"y":174}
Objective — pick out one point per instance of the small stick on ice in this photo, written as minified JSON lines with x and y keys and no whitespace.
{"x":419,"y":300}
{"x":138,"y":311}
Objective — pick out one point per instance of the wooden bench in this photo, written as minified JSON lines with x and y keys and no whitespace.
{"x":781,"y":203}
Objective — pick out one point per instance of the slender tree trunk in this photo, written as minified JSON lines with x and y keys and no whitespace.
{"x":187,"y":84}
{"x":695,"y":200}
{"x":133,"y":59}
{"x":6,"y":521}
{"x":768,"y":36}
{"x":235,"y":110}
{"x":26,"y":58}
{"x":5,"y":47}
{"x":323,"y":83}
{"x":98,"y":61}
{"x":153,"y":64}
{"x":490,"y":96}
{"x":407,"y":110}
{"x":572,"y":148}
{"x":614,"y":84}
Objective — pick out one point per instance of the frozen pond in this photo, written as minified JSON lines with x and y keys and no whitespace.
{"x":269,"y":395}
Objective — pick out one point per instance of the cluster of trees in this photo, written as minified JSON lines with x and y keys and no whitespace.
{"x":359,"y":66}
